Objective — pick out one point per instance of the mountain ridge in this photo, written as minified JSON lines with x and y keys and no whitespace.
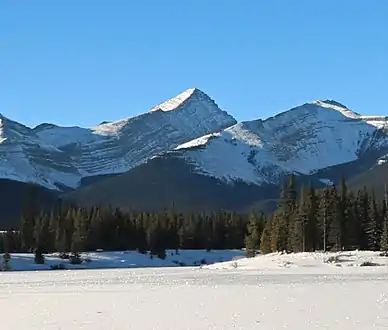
{"x":109,"y":148}
{"x":188,"y":151}
{"x":303,"y":139}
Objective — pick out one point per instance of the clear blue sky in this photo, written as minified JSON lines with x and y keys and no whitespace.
{"x":81,"y":62}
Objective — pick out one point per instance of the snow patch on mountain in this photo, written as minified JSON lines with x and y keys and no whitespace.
{"x":327,"y":182}
{"x":175,"y":102}
{"x":302,"y":140}
{"x":380,"y":122}
{"x":203,"y":140}
{"x":50,"y":155}
{"x":232,"y":155}
{"x":334,"y":105}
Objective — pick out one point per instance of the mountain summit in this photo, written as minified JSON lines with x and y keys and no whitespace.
{"x":304,"y":139}
{"x":189,"y":151}
{"x":177,"y":101}
{"x":54,"y":156}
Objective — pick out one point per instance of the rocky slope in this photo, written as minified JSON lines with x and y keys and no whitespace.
{"x":189,"y":151}
{"x":303,"y":140}
{"x":242,"y":166}
{"x":55,"y":157}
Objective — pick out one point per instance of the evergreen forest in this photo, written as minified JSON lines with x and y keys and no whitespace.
{"x":330,"y":219}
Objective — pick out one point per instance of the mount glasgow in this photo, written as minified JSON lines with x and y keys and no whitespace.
{"x":189,"y":152}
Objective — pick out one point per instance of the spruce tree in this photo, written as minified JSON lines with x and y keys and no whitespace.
{"x":265,"y":242}
{"x":252,"y":239}
{"x":384,"y":234}
{"x":280,"y":237}
{"x":372,"y":227}
{"x":312,"y":233}
{"x":60,"y":239}
{"x":343,"y":213}
{"x":324,"y":216}
{"x":39,"y":257}
{"x":298,"y":232}
{"x":290,"y":214}
{"x":79,"y":237}
{"x":352,"y":227}
{"x":6,"y":255}
{"x":363,"y":208}
{"x":334,"y":219}
{"x":276,"y":225}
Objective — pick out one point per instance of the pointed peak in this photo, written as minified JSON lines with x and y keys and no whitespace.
{"x":331,"y":104}
{"x":334,"y":105}
{"x":175,"y":102}
{"x":6,"y":120}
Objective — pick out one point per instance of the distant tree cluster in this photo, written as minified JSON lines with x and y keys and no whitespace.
{"x":75,"y":230}
{"x":328,"y":219}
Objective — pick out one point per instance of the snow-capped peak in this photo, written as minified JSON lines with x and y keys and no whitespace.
{"x":334,"y":105}
{"x":50,"y":155}
{"x":175,"y":102}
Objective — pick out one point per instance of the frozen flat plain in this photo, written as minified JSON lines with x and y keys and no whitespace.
{"x":194,"y":298}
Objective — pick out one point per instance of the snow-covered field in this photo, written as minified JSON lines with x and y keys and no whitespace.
{"x":296,"y":291}
{"x":127,"y":259}
{"x":311,"y":262}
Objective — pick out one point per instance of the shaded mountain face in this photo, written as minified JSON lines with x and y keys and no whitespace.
{"x":57,"y":157}
{"x":167,"y":181}
{"x":14,"y":196}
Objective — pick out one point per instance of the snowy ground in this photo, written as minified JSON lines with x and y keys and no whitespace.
{"x":311,"y":262}
{"x":128,"y":259}
{"x":297,"y":291}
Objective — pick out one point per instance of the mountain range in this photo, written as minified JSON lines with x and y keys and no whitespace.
{"x":188,"y":151}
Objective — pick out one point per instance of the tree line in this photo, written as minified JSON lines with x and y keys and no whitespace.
{"x":75,"y":230}
{"x":326,"y":219}
{"x":332,"y":219}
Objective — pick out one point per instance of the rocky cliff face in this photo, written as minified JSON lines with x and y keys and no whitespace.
{"x":304,"y":140}
{"x":54,"y":156}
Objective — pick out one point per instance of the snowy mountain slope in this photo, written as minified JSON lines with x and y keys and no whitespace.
{"x":25,"y":157}
{"x":50,"y":155}
{"x":304,"y":139}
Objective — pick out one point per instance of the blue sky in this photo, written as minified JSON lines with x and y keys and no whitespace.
{"x":82,"y":62}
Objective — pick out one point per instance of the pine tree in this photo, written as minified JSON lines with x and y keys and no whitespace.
{"x":372,"y":227}
{"x":252,"y":239}
{"x":352,"y":227}
{"x":384,"y":234}
{"x":39,"y":257}
{"x":27,"y":231}
{"x":79,"y":234}
{"x":6,"y":256}
{"x":60,"y":238}
{"x":29,"y":213}
{"x":290,"y":214}
{"x":279,"y":236}
{"x":342,"y":213}
{"x":334,"y":218}
{"x":363,"y":205}
{"x":276,"y":224}
{"x":324,"y":215}
{"x":312,"y":234}
{"x":265,"y":242}
{"x":298,"y":232}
